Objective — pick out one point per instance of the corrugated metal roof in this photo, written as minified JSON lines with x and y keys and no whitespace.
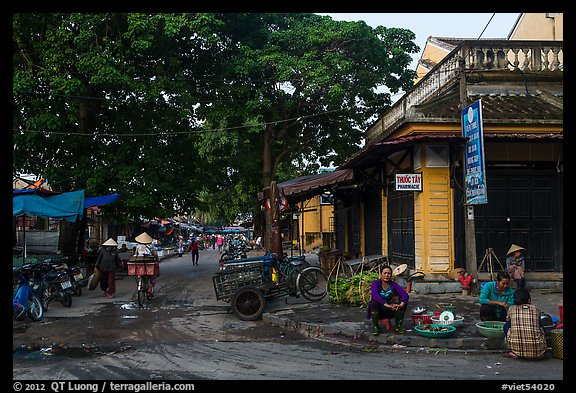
{"x":304,"y":187}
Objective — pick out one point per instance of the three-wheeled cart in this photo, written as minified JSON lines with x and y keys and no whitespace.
{"x":247,"y":283}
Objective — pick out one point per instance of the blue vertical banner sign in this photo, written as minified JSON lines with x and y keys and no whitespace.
{"x":476,"y":193}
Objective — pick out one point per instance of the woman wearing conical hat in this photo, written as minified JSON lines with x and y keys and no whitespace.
{"x":515,"y":265}
{"x":146,"y":247}
{"x":108,"y":263}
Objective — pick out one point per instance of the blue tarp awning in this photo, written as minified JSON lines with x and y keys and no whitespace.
{"x":67,"y":206}
{"x":100,"y":200}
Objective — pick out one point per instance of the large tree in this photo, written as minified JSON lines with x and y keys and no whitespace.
{"x":300,"y":91}
{"x":195,"y":110}
{"x":104,"y":102}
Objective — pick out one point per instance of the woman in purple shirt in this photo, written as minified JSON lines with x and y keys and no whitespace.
{"x":389,"y":300}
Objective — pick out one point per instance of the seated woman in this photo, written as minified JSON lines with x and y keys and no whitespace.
{"x":525,"y":337}
{"x":515,"y":265}
{"x":495,"y":298}
{"x":389,"y":300}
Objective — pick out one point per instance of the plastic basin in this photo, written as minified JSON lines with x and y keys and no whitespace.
{"x":435,"y":330}
{"x":491,"y":329}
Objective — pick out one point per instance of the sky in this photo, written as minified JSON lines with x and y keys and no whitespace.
{"x":424,"y":25}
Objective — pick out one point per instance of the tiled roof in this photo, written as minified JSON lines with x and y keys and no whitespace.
{"x":515,"y":108}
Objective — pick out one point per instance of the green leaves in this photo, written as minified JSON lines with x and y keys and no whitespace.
{"x":180,"y":112}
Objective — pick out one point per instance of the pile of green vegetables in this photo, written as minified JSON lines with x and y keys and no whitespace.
{"x":354,"y":291}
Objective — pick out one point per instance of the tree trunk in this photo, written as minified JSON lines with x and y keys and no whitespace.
{"x":267,"y":177}
{"x":275,"y":214}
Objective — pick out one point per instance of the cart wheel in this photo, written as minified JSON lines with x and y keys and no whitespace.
{"x":312,"y":283}
{"x":248,"y":303}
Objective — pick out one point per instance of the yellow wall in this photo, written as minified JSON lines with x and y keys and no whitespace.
{"x":384,"y":224}
{"x":315,"y":219}
{"x":537,"y":26}
{"x":434,"y":221}
{"x":432,"y":53}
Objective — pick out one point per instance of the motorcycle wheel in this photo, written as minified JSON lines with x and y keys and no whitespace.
{"x":45,"y":299}
{"x":77,"y":290}
{"x":66,"y":299}
{"x":35,"y":309}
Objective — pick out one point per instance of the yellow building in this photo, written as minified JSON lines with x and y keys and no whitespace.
{"x":419,"y":142}
{"x":314,"y":224}
{"x":520,"y":87}
{"x":548,"y":26}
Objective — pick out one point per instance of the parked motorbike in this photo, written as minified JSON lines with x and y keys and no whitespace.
{"x":233,"y":252}
{"x":77,"y":279}
{"x":25,"y":300}
{"x":52,"y":284}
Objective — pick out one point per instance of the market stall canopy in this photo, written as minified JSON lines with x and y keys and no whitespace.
{"x":305,"y":187}
{"x":100,"y":200}
{"x":233,"y":229}
{"x":67,"y":206}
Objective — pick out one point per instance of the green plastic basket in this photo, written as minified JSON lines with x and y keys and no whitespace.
{"x":491,"y":329}
{"x":444,"y":331}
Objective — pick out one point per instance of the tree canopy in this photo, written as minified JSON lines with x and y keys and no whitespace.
{"x":179,"y":112}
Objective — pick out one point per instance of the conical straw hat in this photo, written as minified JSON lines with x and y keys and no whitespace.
{"x":398,"y":270}
{"x":513,"y":248}
{"x":110,"y":242}
{"x":144,"y":238}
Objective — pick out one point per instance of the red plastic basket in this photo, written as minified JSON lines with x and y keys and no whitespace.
{"x":143,"y":269}
{"x":423,"y":318}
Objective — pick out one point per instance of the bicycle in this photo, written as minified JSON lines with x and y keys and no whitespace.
{"x":301,"y":278}
{"x":145,"y":290}
{"x":143,"y":268}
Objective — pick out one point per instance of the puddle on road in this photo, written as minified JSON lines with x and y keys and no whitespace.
{"x":44,"y":353}
{"x":38,"y":353}
{"x":129,"y":306}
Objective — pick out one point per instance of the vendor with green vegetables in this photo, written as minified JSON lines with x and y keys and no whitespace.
{"x":389,"y":300}
{"x":495,"y":298}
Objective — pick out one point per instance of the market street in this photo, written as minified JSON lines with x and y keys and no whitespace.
{"x":187,"y":335}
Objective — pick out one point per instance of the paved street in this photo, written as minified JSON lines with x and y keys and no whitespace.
{"x":187,"y":335}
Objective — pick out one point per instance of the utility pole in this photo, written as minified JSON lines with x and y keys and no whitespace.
{"x":469,"y":227}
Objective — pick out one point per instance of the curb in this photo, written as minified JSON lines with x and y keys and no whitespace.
{"x":357,"y":331}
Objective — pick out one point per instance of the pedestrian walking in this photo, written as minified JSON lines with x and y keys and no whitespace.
{"x":108,"y":263}
{"x":220,"y":243}
{"x":193,"y":249}
{"x":180,"y":246}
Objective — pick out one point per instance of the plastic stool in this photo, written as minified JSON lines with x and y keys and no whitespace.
{"x":561,"y":309}
{"x":385,"y":322}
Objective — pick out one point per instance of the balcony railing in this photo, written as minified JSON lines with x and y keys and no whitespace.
{"x":478,"y":55}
